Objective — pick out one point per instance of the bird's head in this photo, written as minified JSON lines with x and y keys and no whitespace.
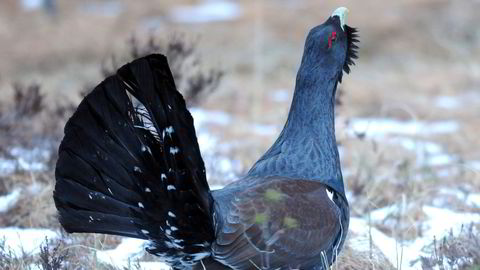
{"x":307,"y":142}
{"x":330,"y":47}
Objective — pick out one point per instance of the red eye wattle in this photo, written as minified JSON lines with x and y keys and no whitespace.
{"x":331,"y":38}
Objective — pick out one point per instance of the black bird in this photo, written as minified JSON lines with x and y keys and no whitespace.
{"x":130,"y":165}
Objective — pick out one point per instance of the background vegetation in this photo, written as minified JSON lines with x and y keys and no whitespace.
{"x":416,"y":86}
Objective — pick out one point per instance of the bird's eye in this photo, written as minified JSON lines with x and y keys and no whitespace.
{"x":331,"y":38}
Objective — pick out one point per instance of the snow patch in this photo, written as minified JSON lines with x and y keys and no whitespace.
{"x":32,"y":4}
{"x":439,"y":223}
{"x":466,"y":99}
{"x":396,"y":132}
{"x":361,"y":242}
{"x":128,"y":248}
{"x":154,"y":266}
{"x":126,"y":253}
{"x":470,"y":199}
{"x":217,"y":164}
{"x":7,"y":166}
{"x":415,"y":145}
{"x":427,"y":153}
{"x":211,"y":11}
{"x":24,"y":159}
{"x":440,"y":160}
{"x":25,"y":241}
{"x":379,"y":127}
{"x":381,"y":214}
{"x":447,"y":102}
{"x":474,"y":165}
{"x":216,"y":187}
{"x":202,"y":117}
{"x":264,"y":130}
{"x":9,"y":200}
{"x":473,"y":200}
{"x":104,"y":8}
{"x":280,"y":95}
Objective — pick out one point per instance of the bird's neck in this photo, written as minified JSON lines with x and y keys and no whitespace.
{"x":312,"y":110}
{"x":306,"y":148}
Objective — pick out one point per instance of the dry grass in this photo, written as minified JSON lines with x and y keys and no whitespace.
{"x":57,"y":254}
{"x":35,"y":207}
{"x":460,"y":251}
{"x":351,"y":259}
{"x":193,"y":81}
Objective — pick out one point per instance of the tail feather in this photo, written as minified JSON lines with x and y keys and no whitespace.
{"x":101,"y":223}
{"x":130,"y":165}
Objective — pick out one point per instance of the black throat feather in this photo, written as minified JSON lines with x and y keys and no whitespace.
{"x":352,"y":49}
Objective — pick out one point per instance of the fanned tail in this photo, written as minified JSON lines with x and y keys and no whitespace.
{"x":130,"y":165}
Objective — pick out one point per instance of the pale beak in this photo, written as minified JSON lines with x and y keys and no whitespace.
{"x":341,"y":12}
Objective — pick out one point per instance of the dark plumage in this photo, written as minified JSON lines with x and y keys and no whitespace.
{"x":130,"y":165}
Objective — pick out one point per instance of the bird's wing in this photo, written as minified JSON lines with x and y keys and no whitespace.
{"x":130,"y":164}
{"x":281,"y":223}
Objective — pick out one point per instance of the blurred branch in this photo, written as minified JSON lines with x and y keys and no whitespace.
{"x":26,"y":117}
{"x":192,"y":79}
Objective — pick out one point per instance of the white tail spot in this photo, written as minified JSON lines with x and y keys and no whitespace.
{"x":163,"y":176}
{"x":171,"y":214}
{"x":169,"y":130}
{"x":171,"y":187}
{"x":173,"y":245}
{"x":140,"y":205}
{"x":174,"y":150}
{"x":148,"y":190}
{"x":145,"y":232}
{"x":329,"y":194}
{"x":200,"y":255}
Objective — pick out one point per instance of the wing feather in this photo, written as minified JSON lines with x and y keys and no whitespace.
{"x":279,"y":223}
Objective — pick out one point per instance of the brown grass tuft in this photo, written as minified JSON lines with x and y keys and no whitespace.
{"x":461,"y":251}
{"x":191,"y":78}
{"x":351,"y":259}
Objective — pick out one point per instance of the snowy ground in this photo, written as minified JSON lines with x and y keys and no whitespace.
{"x":26,"y":241}
{"x":438,"y":222}
{"x":405,"y":255}
{"x":129,"y":250}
